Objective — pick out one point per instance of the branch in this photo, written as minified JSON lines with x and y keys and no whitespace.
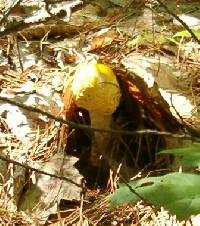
{"x":179,"y":20}
{"x":105,"y":130}
{"x":38,"y":171}
{"x":19,"y":27}
{"x":135,"y":192}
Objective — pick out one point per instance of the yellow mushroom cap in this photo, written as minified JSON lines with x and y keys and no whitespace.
{"x":96,"y":89}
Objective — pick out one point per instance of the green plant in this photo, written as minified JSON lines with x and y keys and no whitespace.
{"x":177,"y":192}
{"x":186,"y":34}
{"x":147,"y":38}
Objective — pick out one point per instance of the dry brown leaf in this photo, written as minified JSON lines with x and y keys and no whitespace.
{"x":43,"y":198}
{"x":156,"y":110}
{"x":103,"y":40}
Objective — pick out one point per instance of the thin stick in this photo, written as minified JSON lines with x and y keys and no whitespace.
{"x":179,"y":20}
{"x":39,"y":171}
{"x":106,"y":130}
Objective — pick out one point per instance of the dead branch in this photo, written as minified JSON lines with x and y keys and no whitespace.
{"x":64,"y":178}
{"x":38,"y":171}
{"x":19,"y":27}
{"x":106,"y":130}
{"x":180,"y":21}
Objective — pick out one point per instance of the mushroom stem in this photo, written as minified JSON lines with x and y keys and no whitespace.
{"x":100,"y":139}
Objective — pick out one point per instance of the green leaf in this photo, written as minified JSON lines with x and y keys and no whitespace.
{"x":186,"y":34}
{"x":147,"y":38}
{"x":172,"y":40}
{"x":177,"y":192}
{"x":189,"y":156}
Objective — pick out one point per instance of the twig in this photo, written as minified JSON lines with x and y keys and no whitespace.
{"x":39,"y":171}
{"x":134,"y":191}
{"x":179,"y":20}
{"x":187,"y":127}
{"x":106,"y":130}
{"x":19,"y":54}
{"x":20,"y":26}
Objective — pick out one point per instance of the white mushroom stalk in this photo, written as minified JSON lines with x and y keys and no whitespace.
{"x":96,"y":89}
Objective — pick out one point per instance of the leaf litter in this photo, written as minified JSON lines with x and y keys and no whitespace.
{"x":39,"y":142}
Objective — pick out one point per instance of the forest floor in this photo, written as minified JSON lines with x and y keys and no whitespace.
{"x":47,"y":174}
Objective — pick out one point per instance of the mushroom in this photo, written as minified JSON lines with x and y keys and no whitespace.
{"x":96,"y":89}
